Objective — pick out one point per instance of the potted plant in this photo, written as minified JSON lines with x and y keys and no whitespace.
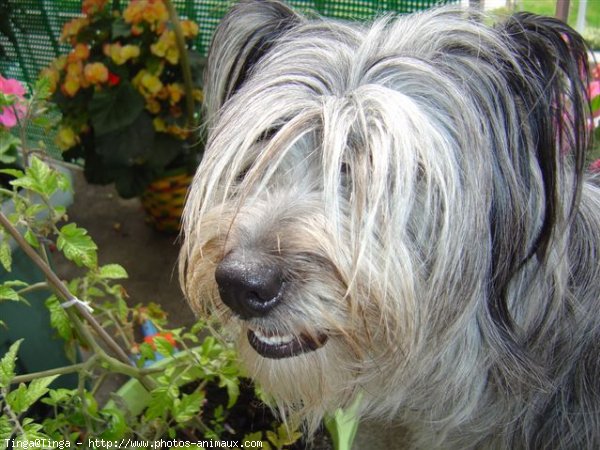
{"x":186,"y":399}
{"x":128,"y":91}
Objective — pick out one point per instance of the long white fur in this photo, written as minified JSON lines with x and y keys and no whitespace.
{"x":363,"y":159}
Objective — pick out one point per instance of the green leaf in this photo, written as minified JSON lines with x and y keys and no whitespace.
{"x":284,"y":436}
{"x":233,"y":389}
{"x":113,"y":272}
{"x":146,"y":351}
{"x":17,"y":399}
{"x":57,"y":396}
{"x":161,"y":402}
{"x":39,"y":177}
{"x":5,"y":430}
{"x":5,"y":254}
{"x":163,"y":346}
{"x":188,"y":407}
{"x":24,"y":397}
{"x":8,"y":147}
{"x":115,"y":108}
{"x":59,"y":319}
{"x":8,"y":293}
{"x":42,"y":87}
{"x":7,"y":364}
{"x":13,"y":172}
{"x":120,"y":29}
{"x":31,"y":238}
{"x":595,"y":103}
{"x":77,"y":246}
{"x":343,"y":424}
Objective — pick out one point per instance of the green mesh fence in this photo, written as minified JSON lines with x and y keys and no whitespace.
{"x":30,"y":29}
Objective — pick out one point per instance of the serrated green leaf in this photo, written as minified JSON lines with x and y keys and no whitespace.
{"x":7,"y":364}
{"x":13,"y":172}
{"x":31,"y":433}
{"x":233,"y":389}
{"x":59,"y":319}
{"x":77,"y":246}
{"x":8,"y":293}
{"x":39,"y":177}
{"x":188,"y":406}
{"x":63,"y":182}
{"x":113,"y":272}
{"x":163,"y":346}
{"x":21,"y":399}
{"x":38,"y":388}
{"x":31,"y":238}
{"x":17,"y":399}
{"x":57,"y":396}
{"x":5,"y":255}
{"x":35,"y":208}
{"x":42,"y":87}
{"x":161,"y":402}
{"x":146,"y":351}
{"x":5,"y":430}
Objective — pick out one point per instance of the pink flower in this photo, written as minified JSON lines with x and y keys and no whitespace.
{"x":10,"y":86}
{"x":9,"y":115}
{"x":594,"y":89}
{"x":595,"y":166}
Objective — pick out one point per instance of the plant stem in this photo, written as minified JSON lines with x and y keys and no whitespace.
{"x":33,"y":287}
{"x":47,"y":373}
{"x":62,"y":289}
{"x":184,"y":63}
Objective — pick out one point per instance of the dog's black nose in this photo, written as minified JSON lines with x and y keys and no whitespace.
{"x":249,"y":287}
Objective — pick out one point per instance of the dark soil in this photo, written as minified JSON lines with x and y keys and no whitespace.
{"x":250,"y":415}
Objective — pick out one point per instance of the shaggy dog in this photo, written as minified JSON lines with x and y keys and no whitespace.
{"x":400,"y":209}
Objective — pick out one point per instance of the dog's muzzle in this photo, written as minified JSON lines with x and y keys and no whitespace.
{"x":252,"y":288}
{"x":249,"y":287}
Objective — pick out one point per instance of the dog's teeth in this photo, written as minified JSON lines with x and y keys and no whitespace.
{"x":273,"y":339}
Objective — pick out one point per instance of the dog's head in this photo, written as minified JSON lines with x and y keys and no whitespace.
{"x":369,"y":192}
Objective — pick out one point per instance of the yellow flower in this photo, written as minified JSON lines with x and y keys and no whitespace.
{"x":73,"y":80}
{"x":80,"y":52}
{"x":152,"y":12}
{"x":72,"y":28}
{"x":95,"y":73}
{"x":176,"y":92}
{"x":190,"y":29}
{"x":93,"y":6}
{"x":66,"y":138}
{"x":71,"y":86}
{"x":177,"y":131}
{"x":159,"y":124}
{"x":198,"y":95}
{"x":166,"y":47}
{"x":152,"y":105}
{"x":148,"y":84}
{"x":152,"y":83}
{"x":74,"y":69}
{"x":120,"y":54}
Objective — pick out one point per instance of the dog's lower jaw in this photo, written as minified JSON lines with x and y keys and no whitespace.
{"x":277,"y":346}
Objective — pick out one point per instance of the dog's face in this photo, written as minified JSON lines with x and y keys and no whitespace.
{"x":349,"y":221}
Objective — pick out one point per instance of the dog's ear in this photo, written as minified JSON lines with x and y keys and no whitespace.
{"x":549,"y":79}
{"x":553,"y":88}
{"x":242,"y":38}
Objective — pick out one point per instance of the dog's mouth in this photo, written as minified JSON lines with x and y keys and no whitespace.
{"x":277,"y":346}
